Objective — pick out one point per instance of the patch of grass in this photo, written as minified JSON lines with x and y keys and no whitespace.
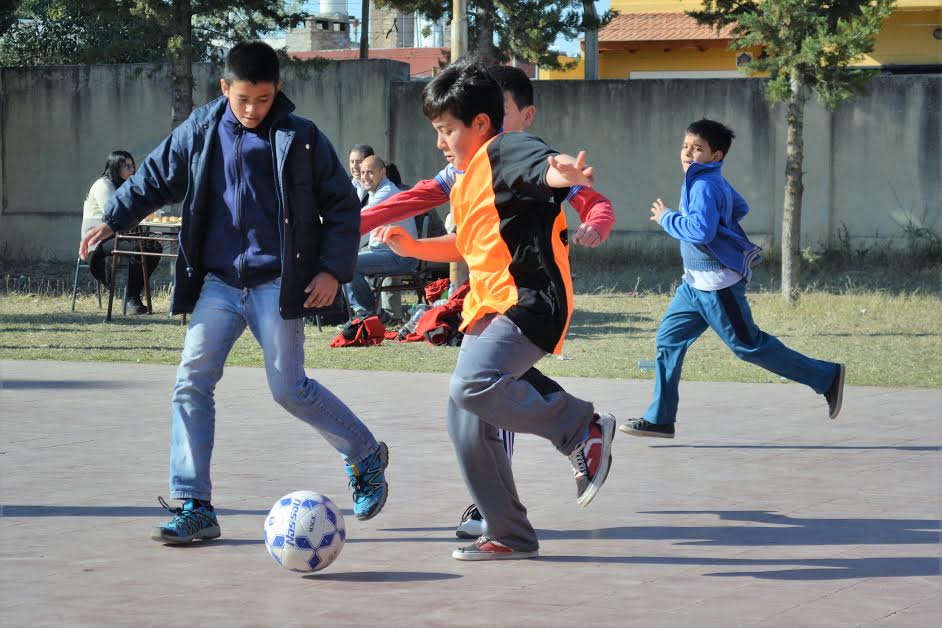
{"x":877,"y":309}
{"x":626,"y":267}
{"x":885,"y":339}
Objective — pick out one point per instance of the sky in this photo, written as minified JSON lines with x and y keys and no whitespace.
{"x":570,"y":47}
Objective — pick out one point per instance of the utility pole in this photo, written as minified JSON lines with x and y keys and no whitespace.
{"x":590,"y":18}
{"x":458,"y":271}
{"x":459,"y":29}
{"x":365,"y":29}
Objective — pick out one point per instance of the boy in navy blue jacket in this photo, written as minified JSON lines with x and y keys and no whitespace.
{"x":718,"y":258}
{"x":270,"y":225}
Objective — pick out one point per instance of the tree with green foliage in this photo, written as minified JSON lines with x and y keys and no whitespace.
{"x":806,"y":46}
{"x":67,"y":32}
{"x":501,"y":29}
{"x":181,"y":32}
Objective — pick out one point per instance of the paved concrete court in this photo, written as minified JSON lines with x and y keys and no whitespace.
{"x":762,"y":512}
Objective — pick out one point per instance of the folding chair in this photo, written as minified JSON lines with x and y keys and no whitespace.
{"x":409,"y":282}
{"x":82,"y":264}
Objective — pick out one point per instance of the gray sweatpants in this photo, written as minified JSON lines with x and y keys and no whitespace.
{"x":494,"y":386}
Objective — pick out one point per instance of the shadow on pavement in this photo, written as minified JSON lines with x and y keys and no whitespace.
{"x":826,"y":447}
{"x":800,"y":568}
{"x":382,"y":576}
{"x":17,"y":510}
{"x":38,"y":384}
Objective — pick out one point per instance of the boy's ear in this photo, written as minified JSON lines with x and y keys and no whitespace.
{"x":529,"y":115}
{"x":481,"y":123}
{"x":224,"y":87}
{"x":720,"y":153}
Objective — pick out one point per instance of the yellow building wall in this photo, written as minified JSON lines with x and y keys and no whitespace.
{"x":906,"y":38}
{"x":646,"y":6}
{"x":576,"y":73}
{"x":619,"y":64}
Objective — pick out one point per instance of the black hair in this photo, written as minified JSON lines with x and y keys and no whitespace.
{"x":464,"y":90}
{"x":515,"y":81}
{"x":365,"y":150}
{"x":392,"y":173}
{"x":113,"y":165}
{"x":253,"y":61}
{"x":718,"y":135}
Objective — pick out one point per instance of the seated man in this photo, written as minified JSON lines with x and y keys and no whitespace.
{"x":376,"y":258}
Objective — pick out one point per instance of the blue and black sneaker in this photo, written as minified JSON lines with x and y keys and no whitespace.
{"x":195,"y":520}
{"x":368,"y":483}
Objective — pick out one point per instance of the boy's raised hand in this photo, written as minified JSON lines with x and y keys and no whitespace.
{"x":586,"y":235}
{"x":321,"y":291}
{"x":657,"y":210}
{"x":572,"y":170}
{"x":398,"y":239}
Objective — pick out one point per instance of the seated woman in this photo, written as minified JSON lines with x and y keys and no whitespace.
{"x":376,"y":258}
{"x":118,"y":168}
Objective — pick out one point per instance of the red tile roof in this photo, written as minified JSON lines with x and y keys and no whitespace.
{"x":640,"y":27}
{"x":423,"y":62}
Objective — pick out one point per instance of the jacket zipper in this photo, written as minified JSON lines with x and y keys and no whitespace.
{"x":238,"y":152}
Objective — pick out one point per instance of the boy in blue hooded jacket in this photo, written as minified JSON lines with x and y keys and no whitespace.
{"x":718,"y":258}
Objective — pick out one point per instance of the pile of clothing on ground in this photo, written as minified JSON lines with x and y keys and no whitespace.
{"x":435,"y":321}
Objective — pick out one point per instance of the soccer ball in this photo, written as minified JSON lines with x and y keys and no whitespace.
{"x":304,"y":531}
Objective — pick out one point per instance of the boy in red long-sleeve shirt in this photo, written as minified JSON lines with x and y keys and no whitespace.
{"x":595,"y":212}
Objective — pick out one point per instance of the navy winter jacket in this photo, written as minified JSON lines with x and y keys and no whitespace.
{"x":243,"y":204}
{"x":318,"y":209}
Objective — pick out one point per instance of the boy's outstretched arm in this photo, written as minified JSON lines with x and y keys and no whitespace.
{"x":566,"y":171}
{"x":597,"y":216}
{"x":441,"y":249}
{"x":160,"y":180}
{"x":698,"y":225}
{"x":420,"y":198}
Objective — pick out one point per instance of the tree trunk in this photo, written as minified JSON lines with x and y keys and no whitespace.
{"x":181,"y":63}
{"x":484,"y":15}
{"x":590,"y":18}
{"x":365,"y":29}
{"x":791,"y":212}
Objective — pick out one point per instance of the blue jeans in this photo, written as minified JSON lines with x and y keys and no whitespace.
{"x":373,"y":262}
{"x":219,"y":318}
{"x":727,"y":312}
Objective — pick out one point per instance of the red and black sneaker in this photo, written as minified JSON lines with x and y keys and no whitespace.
{"x":592,"y":458}
{"x":486,"y":548}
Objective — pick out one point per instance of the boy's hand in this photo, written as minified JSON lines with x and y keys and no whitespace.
{"x":321,"y":291}
{"x":93,"y":237}
{"x":398,"y":239}
{"x":586,"y":235}
{"x":657,"y":210}
{"x":573,"y":170}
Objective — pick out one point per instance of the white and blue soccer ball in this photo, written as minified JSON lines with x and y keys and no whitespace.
{"x":304,"y":531}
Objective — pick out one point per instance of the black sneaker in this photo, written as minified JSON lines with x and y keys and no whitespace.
{"x":640,"y":427}
{"x":472,"y":524}
{"x":136,"y":306}
{"x":835,"y":394}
